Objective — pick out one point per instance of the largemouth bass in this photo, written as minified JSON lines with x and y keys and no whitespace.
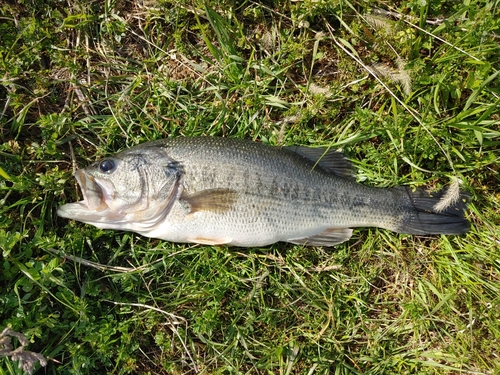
{"x":225,"y":191}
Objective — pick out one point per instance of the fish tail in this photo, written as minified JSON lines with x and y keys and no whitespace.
{"x":441,"y":212}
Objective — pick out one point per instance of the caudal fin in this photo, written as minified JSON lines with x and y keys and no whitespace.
{"x":433,"y":213}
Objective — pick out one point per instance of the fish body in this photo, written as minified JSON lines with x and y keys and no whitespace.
{"x":225,"y":191}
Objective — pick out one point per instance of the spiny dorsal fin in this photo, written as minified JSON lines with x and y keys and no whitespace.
{"x":329,"y":237}
{"x":331,"y":161}
{"x":214,"y":200}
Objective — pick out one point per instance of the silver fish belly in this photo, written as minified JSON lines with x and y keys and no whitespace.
{"x":224,"y":191}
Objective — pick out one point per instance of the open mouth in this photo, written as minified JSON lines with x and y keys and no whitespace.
{"x":94,"y":198}
{"x":94,"y":207}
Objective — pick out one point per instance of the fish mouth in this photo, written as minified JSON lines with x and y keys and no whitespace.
{"x":94,"y":207}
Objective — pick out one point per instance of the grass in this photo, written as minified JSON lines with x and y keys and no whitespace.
{"x":409,"y":90}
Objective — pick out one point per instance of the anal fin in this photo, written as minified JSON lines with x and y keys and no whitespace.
{"x":329,"y":237}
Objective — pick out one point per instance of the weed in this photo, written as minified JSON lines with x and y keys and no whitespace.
{"x":410,"y":91}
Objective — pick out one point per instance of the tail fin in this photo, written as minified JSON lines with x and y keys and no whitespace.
{"x":433,"y":213}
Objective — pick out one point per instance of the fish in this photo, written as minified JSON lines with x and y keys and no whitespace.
{"x":225,"y":191}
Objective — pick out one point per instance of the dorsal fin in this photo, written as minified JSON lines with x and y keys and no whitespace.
{"x":331,"y":161}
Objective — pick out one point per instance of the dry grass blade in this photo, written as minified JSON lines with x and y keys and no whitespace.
{"x":103,"y":267}
{"x":27,"y":360}
{"x":413,"y":113}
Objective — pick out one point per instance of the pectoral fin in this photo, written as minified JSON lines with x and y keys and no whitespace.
{"x":329,"y":237}
{"x":213,"y":200}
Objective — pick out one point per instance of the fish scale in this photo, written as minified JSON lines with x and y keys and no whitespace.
{"x":226,"y":191}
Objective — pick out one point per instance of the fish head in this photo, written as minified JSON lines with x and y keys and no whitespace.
{"x":133,"y":190}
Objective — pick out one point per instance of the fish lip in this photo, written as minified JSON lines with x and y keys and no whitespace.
{"x":91,"y":189}
{"x":93,"y":207}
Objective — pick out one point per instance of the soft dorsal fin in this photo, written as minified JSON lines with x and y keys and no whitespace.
{"x":331,"y":161}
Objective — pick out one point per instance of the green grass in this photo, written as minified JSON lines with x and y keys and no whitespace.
{"x":411,"y":93}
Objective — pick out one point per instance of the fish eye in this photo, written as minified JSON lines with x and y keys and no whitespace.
{"x":107,"y":166}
